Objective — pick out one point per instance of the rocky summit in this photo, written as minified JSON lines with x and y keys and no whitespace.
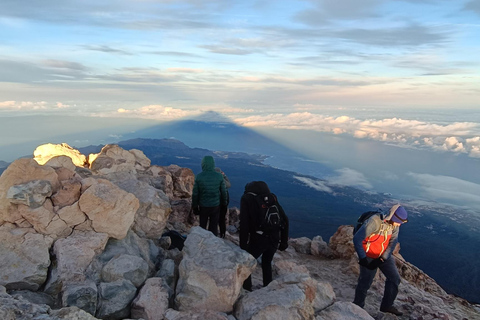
{"x":96,"y":237}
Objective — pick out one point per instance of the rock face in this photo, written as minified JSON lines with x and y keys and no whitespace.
{"x":83,"y":240}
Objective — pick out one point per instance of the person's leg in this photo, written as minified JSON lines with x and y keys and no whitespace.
{"x":222,"y":221}
{"x":267,"y":258}
{"x":203,"y":217}
{"x":365,"y":280}
{"x":256,"y":248}
{"x":213,"y":219}
{"x":389,"y":269}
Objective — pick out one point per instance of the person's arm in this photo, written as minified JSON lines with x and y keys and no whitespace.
{"x":391,"y":244}
{"x":195,"y":195}
{"x":284,"y":230}
{"x":244,"y":223}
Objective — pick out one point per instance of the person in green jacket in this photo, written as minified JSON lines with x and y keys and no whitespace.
{"x":209,"y":193}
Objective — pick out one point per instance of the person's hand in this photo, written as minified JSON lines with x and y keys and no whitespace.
{"x":283,"y":246}
{"x":364,"y":262}
{"x":374,"y":264}
{"x":196,"y":210}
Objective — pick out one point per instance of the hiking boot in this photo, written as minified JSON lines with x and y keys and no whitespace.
{"x":392,"y":310}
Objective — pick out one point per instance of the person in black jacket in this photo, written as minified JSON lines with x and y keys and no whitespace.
{"x":259,"y":242}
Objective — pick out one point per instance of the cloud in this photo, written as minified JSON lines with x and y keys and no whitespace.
{"x":345,"y":177}
{"x":318,"y":185}
{"x":458,"y":137}
{"x":349,"y":178}
{"x":24,"y":105}
{"x":157,"y":112}
{"x":474,"y":6}
{"x":448,"y":188}
{"x":106,"y":49}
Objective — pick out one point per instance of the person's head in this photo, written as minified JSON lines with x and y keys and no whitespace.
{"x":397,"y":215}
{"x":208,"y":164}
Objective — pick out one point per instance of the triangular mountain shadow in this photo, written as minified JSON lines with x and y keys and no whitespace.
{"x":214,"y":131}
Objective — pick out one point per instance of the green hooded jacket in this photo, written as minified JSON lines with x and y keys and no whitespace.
{"x":209,"y":188}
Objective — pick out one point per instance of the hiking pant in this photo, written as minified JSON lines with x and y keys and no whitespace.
{"x":265,"y":246}
{"x":222,"y":223}
{"x":209,"y":215}
{"x":365,"y":279}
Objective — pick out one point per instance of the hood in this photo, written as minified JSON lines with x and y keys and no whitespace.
{"x":257,"y":187}
{"x":397,"y":214}
{"x":208,"y":164}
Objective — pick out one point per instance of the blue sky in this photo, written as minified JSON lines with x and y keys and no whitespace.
{"x":363,"y":69}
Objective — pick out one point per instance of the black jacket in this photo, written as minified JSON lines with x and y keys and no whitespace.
{"x":249,"y":217}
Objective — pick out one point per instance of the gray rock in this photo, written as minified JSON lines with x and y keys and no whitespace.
{"x":83,"y":296}
{"x":115,"y":298}
{"x":24,"y":259}
{"x":168,"y":272}
{"x":211,"y":273}
{"x":31,"y":194}
{"x":34,"y":297}
{"x":301,"y":245}
{"x":128,"y":267}
{"x":152,"y":301}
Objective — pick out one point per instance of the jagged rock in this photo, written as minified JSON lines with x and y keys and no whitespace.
{"x":111,"y":209}
{"x":39,"y":218}
{"x":301,"y":245}
{"x":24,"y":258}
{"x":128,"y":267}
{"x":152,"y":301}
{"x":169,"y":273}
{"x":67,"y":194}
{"x":75,"y":253}
{"x":161,"y":179}
{"x":19,"y":308}
{"x":48,"y":151}
{"x":71,"y":313}
{"x":180,"y":210}
{"x":341,"y":243}
{"x":154,"y":206}
{"x":20,"y":172}
{"x":34,"y":297}
{"x":83,"y":295}
{"x":292,"y":296}
{"x":31,"y":194}
{"x":233,"y":218}
{"x":283,"y":266}
{"x":212,"y":272}
{"x":72,"y":215}
{"x":115,"y":298}
{"x":183,"y":180}
{"x":111,"y":159}
{"x":142,"y":163}
{"x":195,"y":315}
{"x":133,"y":245}
{"x":320,"y":248}
{"x":64,"y":162}
{"x":345,"y":311}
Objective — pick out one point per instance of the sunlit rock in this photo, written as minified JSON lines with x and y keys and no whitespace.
{"x":48,"y":151}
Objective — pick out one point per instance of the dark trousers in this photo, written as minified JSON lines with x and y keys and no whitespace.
{"x":209,"y":215}
{"x":266,"y":247}
{"x":365,"y":279}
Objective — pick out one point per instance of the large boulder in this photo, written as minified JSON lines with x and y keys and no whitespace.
{"x":152,"y":301}
{"x":290,"y":297}
{"x":183,"y":180}
{"x":125,"y":266}
{"x":24,"y":258}
{"x":111,"y":159}
{"x":110,"y":209}
{"x":154,"y":206}
{"x":22,"y":172}
{"x":48,"y":151}
{"x":75,"y":253}
{"x":115,"y":299}
{"x":211,"y":273}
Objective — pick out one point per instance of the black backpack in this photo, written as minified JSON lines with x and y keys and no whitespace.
{"x":270,"y":219}
{"x":364,"y":217}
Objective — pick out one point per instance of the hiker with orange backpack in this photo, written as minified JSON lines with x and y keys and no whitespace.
{"x":374,"y":243}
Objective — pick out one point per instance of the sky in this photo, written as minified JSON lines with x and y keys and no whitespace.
{"x":402,"y":72}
